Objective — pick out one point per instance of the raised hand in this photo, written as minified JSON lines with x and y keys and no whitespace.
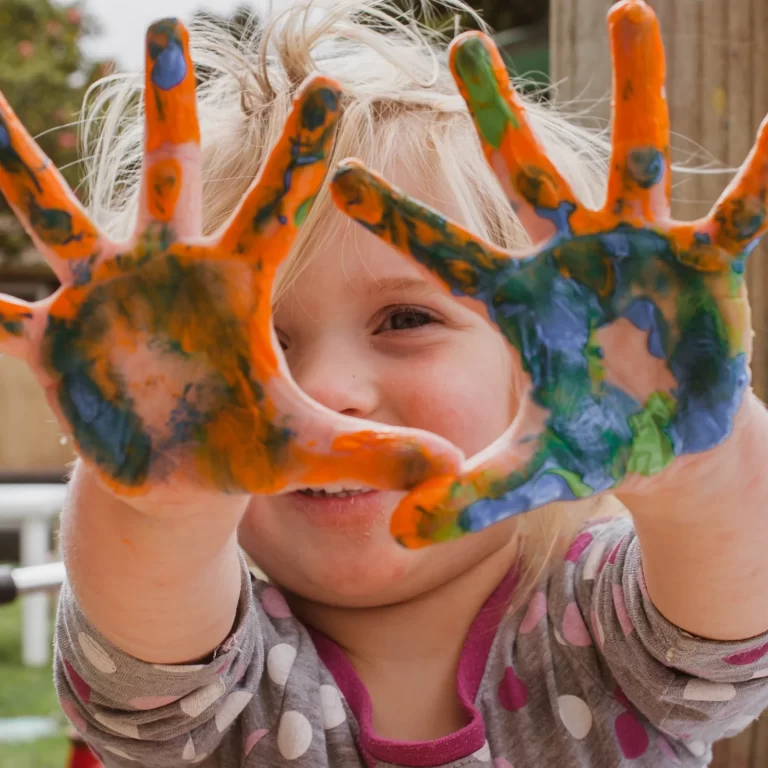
{"x":158,"y":355}
{"x":632,"y":330}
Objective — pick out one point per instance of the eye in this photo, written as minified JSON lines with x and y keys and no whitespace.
{"x":406,"y":318}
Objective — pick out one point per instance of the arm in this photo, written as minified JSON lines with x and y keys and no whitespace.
{"x":143,"y":579}
{"x":705,"y":538}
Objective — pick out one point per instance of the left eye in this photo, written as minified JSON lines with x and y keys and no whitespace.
{"x":406,"y":319}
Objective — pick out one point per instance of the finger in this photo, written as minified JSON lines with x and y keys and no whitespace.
{"x":15,"y":325}
{"x":513,"y":476}
{"x":739,"y":218}
{"x":466,"y":264}
{"x":268,"y":219}
{"x":541,"y":197}
{"x":171,"y":192}
{"x":289,"y":442}
{"x":640,"y":180}
{"x":42,"y":200}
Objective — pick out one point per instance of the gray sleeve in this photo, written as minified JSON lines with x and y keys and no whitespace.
{"x":132,"y":712}
{"x":694,"y":690}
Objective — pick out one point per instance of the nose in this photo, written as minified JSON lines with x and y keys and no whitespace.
{"x":340,"y":376}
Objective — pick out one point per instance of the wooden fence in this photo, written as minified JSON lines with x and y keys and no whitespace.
{"x":718,"y":94}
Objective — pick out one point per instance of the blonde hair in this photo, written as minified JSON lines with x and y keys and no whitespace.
{"x":399,"y":101}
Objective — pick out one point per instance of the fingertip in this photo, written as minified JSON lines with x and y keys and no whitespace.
{"x":634,"y":11}
{"x":351,"y":184}
{"x":168,"y":60}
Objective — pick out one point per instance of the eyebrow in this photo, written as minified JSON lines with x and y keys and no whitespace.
{"x":401,"y":285}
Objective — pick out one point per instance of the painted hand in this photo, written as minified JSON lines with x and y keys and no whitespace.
{"x":158,"y":354}
{"x":632,"y":330}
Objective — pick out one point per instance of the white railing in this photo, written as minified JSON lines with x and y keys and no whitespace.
{"x":31,"y":509}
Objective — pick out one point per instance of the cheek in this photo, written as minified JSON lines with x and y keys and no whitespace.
{"x":464,"y":406}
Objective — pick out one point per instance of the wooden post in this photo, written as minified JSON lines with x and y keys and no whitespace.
{"x":718,"y":94}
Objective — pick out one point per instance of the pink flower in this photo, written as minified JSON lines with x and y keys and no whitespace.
{"x":74,"y":16}
{"x":67,"y":140}
{"x":26,"y":48}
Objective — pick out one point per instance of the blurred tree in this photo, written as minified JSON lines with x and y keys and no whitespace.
{"x":508,"y":14}
{"x":44,"y":76}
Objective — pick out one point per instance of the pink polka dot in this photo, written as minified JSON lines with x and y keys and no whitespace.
{"x":145,"y":703}
{"x":576,"y":550}
{"x":632,"y":736}
{"x":615,"y":553}
{"x":621,"y":610}
{"x":574,"y":629}
{"x":537,"y":609}
{"x":274,"y":604}
{"x":82,"y":688}
{"x":747,"y":657}
{"x":666,"y":749}
{"x":500,"y":762}
{"x":253,"y":739}
{"x":513,"y":692}
{"x":70,"y":710}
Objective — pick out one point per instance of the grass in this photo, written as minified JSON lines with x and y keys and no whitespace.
{"x":24,"y":692}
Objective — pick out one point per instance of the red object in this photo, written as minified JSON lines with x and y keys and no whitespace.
{"x":80,"y":756}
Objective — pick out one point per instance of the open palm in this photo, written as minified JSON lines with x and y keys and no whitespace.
{"x":158,"y":354}
{"x":632,"y":330}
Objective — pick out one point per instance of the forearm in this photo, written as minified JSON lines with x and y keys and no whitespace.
{"x":162,"y":588}
{"x":705,"y":541}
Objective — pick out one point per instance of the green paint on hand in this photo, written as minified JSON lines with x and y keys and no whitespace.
{"x":303,"y":211}
{"x":579,"y":489}
{"x":652,"y":449}
{"x":491,"y":111}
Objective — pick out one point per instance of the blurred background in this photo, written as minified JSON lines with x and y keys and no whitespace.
{"x":51,"y":52}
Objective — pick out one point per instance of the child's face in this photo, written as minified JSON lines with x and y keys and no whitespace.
{"x":366,"y":334}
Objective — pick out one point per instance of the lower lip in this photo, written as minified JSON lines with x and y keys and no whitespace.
{"x":339,"y":511}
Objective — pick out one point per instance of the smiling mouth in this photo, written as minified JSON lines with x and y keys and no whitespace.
{"x":344,"y":493}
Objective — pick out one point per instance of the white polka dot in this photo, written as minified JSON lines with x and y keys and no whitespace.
{"x":483,"y":754}
{"x":597,"y":628}
{"x":118,"y":726}
{"x":558,"y":636}
{"x":592,"y":563}
{"x":703,"y":690}
{"x":760,"y":674}
{"x":333,"y":709}
{"x":279,"y":663}
{"x":697,"y":748}
{"x":232,"y":706}
{"x":576,"y":716}
{"x":179,"y":669}
{"x":118,"y":752}
{"x":294,"y":735}
{"x":98,"y":657}
{"x":200,"y":758}
{"x":189,"y":753}
{"x":198,"y":701}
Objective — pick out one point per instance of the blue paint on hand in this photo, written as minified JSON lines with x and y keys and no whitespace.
{"x":170,"y":67}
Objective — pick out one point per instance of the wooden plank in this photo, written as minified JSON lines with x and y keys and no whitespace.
{"x":757,"y":273}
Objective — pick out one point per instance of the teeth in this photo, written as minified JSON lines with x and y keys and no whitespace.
{"x":321,"y":493}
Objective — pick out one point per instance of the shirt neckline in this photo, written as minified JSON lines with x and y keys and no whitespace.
{"x":472,"y":663}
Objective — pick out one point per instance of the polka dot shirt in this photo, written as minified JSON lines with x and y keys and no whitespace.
{"x":587,"y":674}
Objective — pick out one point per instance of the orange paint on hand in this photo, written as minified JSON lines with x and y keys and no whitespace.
{"x":170,"y":103}
{"x":39,"y":195}
{"x":165,"y":178}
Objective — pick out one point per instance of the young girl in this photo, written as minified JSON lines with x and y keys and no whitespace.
{"x":634,"y":640}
